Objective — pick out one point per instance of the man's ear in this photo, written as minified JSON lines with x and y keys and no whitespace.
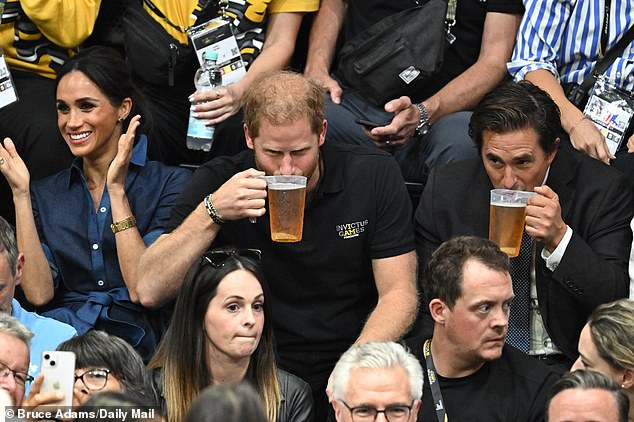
{"x":322,"y":135}
{"x":551,"y":155}
{"x":338,"y":410}
{"x":248,"y":137}
{"x":437,"y":310}
{"x":415,"y":409}
{"x":19,"y":268}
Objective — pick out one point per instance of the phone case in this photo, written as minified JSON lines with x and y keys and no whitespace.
{"x":59,"y":374}
{"x":368,"y":123}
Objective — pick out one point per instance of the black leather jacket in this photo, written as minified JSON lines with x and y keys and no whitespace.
{"x":297,"y":397}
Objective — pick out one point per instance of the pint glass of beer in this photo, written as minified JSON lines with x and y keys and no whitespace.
{"x":507,"y":217}
{"x":287,"y":195}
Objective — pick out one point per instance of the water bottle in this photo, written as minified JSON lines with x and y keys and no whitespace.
{"x":208,"y":77}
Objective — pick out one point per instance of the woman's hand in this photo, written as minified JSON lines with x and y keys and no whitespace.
{"x":35,"y":398}
{"x":118,"y":169}
{"x":13,"y":169}
{"x":216,"y":105}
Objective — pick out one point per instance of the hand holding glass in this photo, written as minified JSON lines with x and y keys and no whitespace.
{"x":287,"y":196}
{"x":507,"y":218}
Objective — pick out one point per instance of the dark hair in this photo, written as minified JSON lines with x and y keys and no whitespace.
{"x":8,"y":244}
{"x":587,"y":380}
{"x":514,"y":106}
{"x":98,"y":349}
{"x":113,"y":400}
{"x":445,"y":268}
{"x":227,"y":403}
{"x":105,"y":67}
{"x":185,"y":375}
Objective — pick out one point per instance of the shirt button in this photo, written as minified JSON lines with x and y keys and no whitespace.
{"x":95,"y":246}
{"x":545,"y":343}
{"x":102,"y":209}
{"x":100,"y":282}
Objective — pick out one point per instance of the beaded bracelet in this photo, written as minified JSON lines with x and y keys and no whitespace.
{"x":217,"y":218}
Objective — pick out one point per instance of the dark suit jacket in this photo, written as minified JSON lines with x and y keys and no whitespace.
{"x":596,"y":202}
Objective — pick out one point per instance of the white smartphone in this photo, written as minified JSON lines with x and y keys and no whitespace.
{"x":59,"y":374}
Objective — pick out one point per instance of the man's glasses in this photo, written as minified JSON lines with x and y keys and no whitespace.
{"x":94,"y":379}
{"x":21,"y":378}
{"x":218,"y":258}
{"x":393,"y":412}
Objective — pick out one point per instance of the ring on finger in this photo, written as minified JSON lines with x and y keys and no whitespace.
{"x":1,"y":161}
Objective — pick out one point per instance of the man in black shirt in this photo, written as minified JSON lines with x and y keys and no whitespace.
{"x":352,"y":276}
{"x":471,"y":374}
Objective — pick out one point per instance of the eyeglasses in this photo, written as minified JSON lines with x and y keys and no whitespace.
{"x":94,"y":379}
{"x":21,"y":378}
{"x":393,"y":413}
{"x":217,"y":258}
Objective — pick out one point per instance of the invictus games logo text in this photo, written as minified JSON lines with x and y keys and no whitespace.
{"x":351,"y":229}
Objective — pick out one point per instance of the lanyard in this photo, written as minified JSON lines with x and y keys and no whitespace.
{"x":433,"y":383}
{"x":605,"y":32}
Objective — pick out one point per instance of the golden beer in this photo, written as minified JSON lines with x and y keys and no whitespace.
{"x":286,"y":211}
{"x":506,"y":226}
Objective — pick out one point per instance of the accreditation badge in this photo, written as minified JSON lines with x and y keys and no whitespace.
{"x":611,"y":110}
{"x":8,"y":94}
{"x":217,"y":35}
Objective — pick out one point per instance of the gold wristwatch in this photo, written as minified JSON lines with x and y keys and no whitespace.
{"x":125,"y":224}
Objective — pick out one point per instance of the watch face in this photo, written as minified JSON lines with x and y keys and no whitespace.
{"x":422,"y":130}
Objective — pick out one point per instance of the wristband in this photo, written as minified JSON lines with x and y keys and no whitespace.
{"x":125,"y":224}
{"x":211,"y":210}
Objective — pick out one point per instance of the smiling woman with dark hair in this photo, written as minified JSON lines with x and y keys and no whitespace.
{"x":83,"y":230}
{"x":222,"y":319}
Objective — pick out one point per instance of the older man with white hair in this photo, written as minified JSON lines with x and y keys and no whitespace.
{"x":377,"y":378}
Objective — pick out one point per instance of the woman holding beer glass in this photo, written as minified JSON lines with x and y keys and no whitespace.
{"x":606,"y":345}
{"x":83,"y":230}
{"x":222,"y":316}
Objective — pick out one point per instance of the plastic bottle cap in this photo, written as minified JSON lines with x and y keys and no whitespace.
{"x":210,"y":55}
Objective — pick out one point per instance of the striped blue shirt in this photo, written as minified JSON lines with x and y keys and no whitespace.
{"x":564,"y":37}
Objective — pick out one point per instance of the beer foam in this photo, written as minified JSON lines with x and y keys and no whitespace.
{"x":509,"y":204}
{"x":284,"y":186}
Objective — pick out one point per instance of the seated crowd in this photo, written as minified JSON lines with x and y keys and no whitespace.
{"x":172,"y":295}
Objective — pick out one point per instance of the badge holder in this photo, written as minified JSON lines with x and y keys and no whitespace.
{"x":217,"y":35}
{"x":611,"y":110}
{"x":8,"y":94}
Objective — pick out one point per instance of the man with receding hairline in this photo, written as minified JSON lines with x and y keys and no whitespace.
{"x":582,"y":396}
{"x":352,"y":276}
